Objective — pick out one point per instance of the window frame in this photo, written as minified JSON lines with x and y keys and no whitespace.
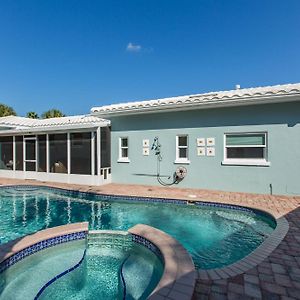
{"x":121,"y":158}
{"x":246,"y":161}
{"x":182,"y":160}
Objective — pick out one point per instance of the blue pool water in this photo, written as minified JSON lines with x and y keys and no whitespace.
{"x":214,"y":236}
{"x":98,"y":276}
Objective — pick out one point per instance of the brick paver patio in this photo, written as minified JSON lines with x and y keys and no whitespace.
{"x":277,"y":277}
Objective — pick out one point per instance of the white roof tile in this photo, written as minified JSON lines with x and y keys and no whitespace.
{"x":23,"y":123}
{"x":237,"y":96}
{"x":14,"y":121}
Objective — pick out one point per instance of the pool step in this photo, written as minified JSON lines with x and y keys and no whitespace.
{"x":110,"y":239}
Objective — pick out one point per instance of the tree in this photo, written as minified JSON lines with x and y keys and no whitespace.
{"x":6,"y":111}
{"x":52,"y":113}
{"x":32,"y":115}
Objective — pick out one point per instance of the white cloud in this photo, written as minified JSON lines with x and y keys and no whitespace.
{"x":133,"y":48}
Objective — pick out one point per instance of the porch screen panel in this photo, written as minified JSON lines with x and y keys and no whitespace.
{"x":58,"y":153}
{"x":95,"y":153}
{"x":30,"y":150}
{"x":19,"y":153}
{"x":42,"y":163}
{"x":30,"y":166}
{"x":105,"y":147}
{"x":81,"y":153}
{"x":6,"y":153}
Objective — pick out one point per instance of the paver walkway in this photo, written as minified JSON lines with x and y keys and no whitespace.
{"x":277,"y":277}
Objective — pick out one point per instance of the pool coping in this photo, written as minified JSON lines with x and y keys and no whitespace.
{"x":179,"y":276}
{"x":32,"y":243}
{"x":251,"y":260}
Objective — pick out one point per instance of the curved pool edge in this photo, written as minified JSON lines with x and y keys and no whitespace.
{"x":251,"y":260}
{"x":179,"y":276}
{"x":16,"y":250}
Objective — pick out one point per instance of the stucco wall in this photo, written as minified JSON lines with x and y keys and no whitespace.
{"x":280,"y":121}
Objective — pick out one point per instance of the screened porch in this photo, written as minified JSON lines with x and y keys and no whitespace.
{"x":73,"y":155}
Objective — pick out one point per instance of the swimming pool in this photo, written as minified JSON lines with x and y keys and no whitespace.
{"x":215,"y":236}
{"x":109,"y":266}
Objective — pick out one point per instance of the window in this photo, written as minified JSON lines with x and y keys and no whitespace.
{"x":246,"y":149}
{"x":182,"y":149}
{"x":123,"y":149}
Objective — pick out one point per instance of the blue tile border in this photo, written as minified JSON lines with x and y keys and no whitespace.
{"x":92,"y":196}
{"x":10,"y":261}
{"x":179,"y":274}
{"x":149,"y":245}
{"x":59,"y":276}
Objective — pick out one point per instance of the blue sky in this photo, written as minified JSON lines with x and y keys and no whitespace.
{"x":73,"y":55}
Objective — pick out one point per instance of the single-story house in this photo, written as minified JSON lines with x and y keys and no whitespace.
{"x":244,"y":140}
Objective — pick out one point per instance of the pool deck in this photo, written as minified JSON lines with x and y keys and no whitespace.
{"x":275,"y":277}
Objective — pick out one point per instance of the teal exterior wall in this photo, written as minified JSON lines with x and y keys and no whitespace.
{"x":280,"y":121}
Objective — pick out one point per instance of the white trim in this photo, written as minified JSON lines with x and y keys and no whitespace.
{"x":123,"y":158}
{"x":92,"y":152}
{"x":28,"y":138}
{"x":182,"y":161}
{"x":68,"y":153}
{"x":36,"y":153}
{"x":57,"y":177}
{"x":98,"y":151}
{"x":178,"y":159}
{"x":50,"y":130}
{"x":246,"y":162}
{"x":24,"y":155}
{"x":14,"y":153}
{"x":47,"y":154}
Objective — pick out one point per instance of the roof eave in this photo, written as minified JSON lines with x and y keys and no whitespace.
{"x":53,"y":129}
{"x":207,"y":104}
